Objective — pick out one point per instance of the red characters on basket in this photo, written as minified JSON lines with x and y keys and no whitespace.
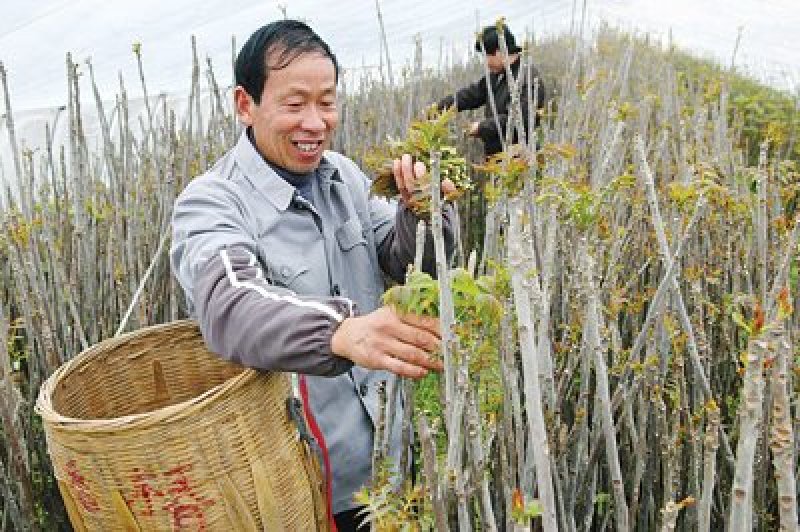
{"x":80,"y":487}
{"x":171,"y":491}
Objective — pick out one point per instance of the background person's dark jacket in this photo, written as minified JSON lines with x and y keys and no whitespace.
{"x":476,"y":95}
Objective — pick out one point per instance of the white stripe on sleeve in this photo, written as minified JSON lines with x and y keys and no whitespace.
{"x":276,"y":297}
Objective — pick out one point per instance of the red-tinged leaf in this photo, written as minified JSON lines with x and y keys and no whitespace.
{"x":758,"y":318}
{"x":784,"y":305}
{"x":517,"y":501}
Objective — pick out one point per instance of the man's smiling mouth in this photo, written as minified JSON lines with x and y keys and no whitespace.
{"x":308,"y":147}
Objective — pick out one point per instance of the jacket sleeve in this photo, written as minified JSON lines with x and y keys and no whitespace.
{"x":242,"y":317}
{"x":487,"y":128}
{"x":396,"y":251}
{"x":470,"y":97}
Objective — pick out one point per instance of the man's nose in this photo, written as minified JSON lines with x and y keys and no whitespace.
{"x":313,"y":119}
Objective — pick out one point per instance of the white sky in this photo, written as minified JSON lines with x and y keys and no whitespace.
{"x":35,"y":35}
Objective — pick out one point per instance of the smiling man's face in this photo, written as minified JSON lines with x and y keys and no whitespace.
{"x":294,"y":121}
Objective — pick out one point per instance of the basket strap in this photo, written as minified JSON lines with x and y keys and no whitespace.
{"x":295,"y":408}
{"x":317,"y":432}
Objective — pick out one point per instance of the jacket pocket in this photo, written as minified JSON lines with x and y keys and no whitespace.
{"x":286,"y":271}
{"x":350,"y":235}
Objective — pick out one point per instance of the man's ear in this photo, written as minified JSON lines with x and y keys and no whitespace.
{"x":244,"y":105}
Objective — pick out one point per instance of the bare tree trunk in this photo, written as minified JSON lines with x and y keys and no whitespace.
{"x":519,"y":259}
{"x":709,"y":467}
{"x":750,"y":412}
{"x":430,"y":471}
{"x":782,"y":435}
{"x":595,"y":347}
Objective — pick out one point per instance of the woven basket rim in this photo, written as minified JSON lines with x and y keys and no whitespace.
{"x":174,"y":412}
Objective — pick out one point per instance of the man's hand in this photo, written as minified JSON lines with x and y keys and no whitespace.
{"x":407,"y":174}
{"x":386,"y":340}
{"x":474,"y":129}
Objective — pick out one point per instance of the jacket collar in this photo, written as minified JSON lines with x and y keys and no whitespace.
{"x":266,"y":181}
{"x":327,"y":171}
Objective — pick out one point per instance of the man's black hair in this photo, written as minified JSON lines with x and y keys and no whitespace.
{"x":491,"y":42}
{"x":284,"y":40}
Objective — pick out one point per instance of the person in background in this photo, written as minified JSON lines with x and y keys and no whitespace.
{"x":490,"y":130}
{"x":282,"y":253}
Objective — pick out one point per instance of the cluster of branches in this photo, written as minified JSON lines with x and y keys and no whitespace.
{"x":648,"y":379}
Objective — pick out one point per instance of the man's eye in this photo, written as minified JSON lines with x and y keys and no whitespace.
{"x":294,"y":105}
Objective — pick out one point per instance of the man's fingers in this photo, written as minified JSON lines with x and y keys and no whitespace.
{"x":420,"y":333}
{"x":397,"y":171}
{"x":403,"y":170}
{"x":413,"y":354}
{"x":419,"y":170}
{"x":383,"y":340}
{"x":431,"y":325}
{"x":448,"y":187}
{"x":400,"y":367}
{"x":407,"y":172}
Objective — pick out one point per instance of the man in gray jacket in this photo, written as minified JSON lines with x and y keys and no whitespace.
{"x":281,"y":252}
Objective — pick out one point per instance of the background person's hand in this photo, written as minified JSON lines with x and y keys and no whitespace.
{"x":474,"y":129}
{"x":386,"y":340}
{"x":407,"y":173}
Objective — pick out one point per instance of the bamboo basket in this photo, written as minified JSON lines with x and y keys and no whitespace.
{"x":151,"y":431}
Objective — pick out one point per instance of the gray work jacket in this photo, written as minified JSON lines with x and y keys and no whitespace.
{"x":269,"y":276}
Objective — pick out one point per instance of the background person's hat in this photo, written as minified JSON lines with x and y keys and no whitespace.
{"x":491,"y":43}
